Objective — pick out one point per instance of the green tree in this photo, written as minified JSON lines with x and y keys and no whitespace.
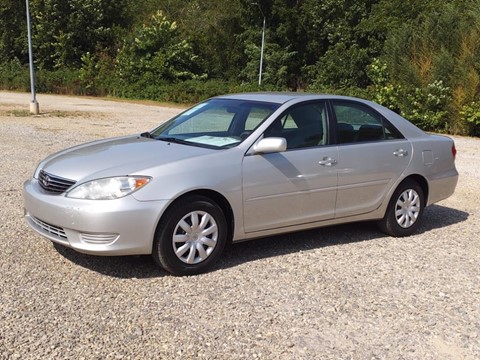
{"x":341,"y":44}
{"x":213,"y":35}
{"x":281,"y":55}
{"x":156,"y":53}
{"x":434,"y":60}
{"x":63,"y":31}
{"x":13,"y":31}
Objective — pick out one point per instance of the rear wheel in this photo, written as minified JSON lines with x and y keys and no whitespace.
{"x":404,"y":211}
{"x":191,"y":236}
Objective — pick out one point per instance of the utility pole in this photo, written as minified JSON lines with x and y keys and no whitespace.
{"x":261,"y":53}
{"x":263,"y":46}
{"x":34,"y":108}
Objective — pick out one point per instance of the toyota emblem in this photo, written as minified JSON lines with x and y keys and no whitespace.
{"x":46,"y":181}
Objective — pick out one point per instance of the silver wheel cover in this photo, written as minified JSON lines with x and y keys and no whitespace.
{"x":195,"y":237}
{"x":407,"y":208}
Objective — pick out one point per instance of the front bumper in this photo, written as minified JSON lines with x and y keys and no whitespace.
{"x":123,"y":226}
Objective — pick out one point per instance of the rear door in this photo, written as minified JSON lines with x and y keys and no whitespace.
{"x":372,"y":155}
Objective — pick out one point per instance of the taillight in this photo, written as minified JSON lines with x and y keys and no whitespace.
{"x":454,"y":151}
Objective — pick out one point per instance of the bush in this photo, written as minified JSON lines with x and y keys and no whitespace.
{"x":427,"y":107}
{"x":14,"y":76}
{"x":61,"y":81}
{"x":471,"y":115}
{"x":186,"y":92}
{"x":345,"y":91}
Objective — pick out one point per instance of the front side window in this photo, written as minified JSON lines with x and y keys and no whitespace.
{"x":358,"y":123}
{"x":302,"y":126}
{"x":217,"y":123}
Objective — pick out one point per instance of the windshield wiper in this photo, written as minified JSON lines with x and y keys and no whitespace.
{"x":175,"y":140}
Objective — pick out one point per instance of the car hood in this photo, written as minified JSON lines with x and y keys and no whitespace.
{"x":115,"y":157}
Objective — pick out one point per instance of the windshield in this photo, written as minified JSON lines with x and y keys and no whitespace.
{"x":216,"y":123}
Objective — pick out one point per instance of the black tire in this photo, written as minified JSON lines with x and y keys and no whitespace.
{"x":409,"y":200}
{"x":200,"y":229}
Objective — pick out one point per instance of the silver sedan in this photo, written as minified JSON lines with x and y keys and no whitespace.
{"x":239,"y":167}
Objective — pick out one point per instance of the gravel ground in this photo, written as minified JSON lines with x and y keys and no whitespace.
{"x":342,"y":292}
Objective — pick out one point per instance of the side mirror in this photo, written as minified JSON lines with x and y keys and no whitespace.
{"x":270,"y":145}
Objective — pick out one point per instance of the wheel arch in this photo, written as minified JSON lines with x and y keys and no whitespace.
{"x":390,"y":224}
{"x":215,"y":196}
{"x":420,"y":180}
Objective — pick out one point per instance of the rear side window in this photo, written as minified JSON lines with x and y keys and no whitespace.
{"x":357,"y":122}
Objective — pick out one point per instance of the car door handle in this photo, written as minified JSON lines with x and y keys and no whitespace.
{"x":328,"y":161}
{"x":400,"y":153}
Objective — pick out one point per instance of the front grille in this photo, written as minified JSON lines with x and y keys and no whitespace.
{"x":51,"y":229}
{"x":54,"y":184}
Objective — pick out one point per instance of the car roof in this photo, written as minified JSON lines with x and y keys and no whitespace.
{"x":281,"y":97}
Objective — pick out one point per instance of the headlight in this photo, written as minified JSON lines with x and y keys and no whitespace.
{"x":108,"y":188}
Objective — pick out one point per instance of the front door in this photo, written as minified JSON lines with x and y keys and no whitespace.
{"x":297,"y":186}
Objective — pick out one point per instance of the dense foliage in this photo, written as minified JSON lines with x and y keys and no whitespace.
{"x":420,"y":58}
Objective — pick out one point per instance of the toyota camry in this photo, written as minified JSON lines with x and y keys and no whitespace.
{"x":239,"y":167}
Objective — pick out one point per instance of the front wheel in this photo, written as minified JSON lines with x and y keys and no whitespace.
{"x":191,"y":236}
{"x":404,"y":211}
